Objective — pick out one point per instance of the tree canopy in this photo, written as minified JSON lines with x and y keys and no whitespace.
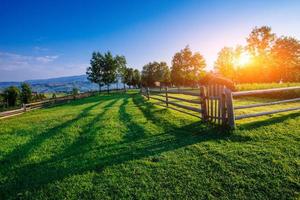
{"x":26,"y":93}
{"x":155,"y":71}
{"x":270,"y":58}
{"x":187,"y":67}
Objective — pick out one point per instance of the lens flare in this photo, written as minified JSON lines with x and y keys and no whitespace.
{"x":243,"y":59}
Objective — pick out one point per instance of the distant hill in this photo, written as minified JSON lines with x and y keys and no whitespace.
{"x":60,"y":84}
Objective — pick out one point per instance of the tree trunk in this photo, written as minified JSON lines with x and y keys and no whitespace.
{"x":107,"y":89}
{"x":99,"y":88}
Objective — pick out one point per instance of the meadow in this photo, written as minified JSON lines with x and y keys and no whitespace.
{"x":123,"y":146}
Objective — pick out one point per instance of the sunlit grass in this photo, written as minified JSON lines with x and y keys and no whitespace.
{"x":122,"y":146}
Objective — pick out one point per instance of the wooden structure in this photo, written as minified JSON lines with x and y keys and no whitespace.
{"x":216,"y":102}
{"x":43,"y":104}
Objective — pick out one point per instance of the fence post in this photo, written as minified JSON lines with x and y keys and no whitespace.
{"x":24,"y":107}
{"x":229,"y":106}
{"x":167,"y":98}
{"x":223,"y":107}
{"x":203,"y":103}
{"x":148,"y":93}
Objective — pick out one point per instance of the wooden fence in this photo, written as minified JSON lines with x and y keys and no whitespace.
{"x":216,"y":102}
{"x":43,"y":104}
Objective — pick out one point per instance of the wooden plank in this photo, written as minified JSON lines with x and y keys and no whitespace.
{"x":267,"y":91}
{"x":265,"y":113}
{"x":185,"y":107}
{"x":178,"y":105}
{"x":167,"y":99}
{"x":219,"y":104}
{"x":216,"y":102}
{"x":185,"y":93}
{"x":155,"y":98}
{"x":185,"y":100}
{"x":11,"y":112}
{"x":266,"y":104}
{"x":203,"y":103}
{"x":176,"y":92}
{"x":230,"y":109}
{"x":223,"y":107}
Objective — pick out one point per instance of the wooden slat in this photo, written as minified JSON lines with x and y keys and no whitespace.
{"x":265,"y":113}
{"x":176,"y":92}
{"x":155,"y":98}
{"x":266,"y":104}
{"x":178,"y":105}
{"x":267,"y":91}
{"x":185,"y":93}
{"x":185,"y":100}
{"x":11,"y":112}
{"x":185,"y":107}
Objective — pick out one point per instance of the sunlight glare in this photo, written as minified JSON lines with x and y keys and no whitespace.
{"x":243,"y":59}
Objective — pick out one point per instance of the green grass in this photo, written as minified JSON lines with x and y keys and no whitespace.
{"x":261,"y":86}
{"x":121,"y":146}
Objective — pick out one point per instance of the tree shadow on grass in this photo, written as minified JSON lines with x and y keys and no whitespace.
{"x":135,"y":131}
{"x":82,"y":156}
{"x":22,"y":151}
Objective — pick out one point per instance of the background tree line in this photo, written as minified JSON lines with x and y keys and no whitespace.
{"x":105,"y":69}
{"x":13,"y":96}
{"x":271,"y":59}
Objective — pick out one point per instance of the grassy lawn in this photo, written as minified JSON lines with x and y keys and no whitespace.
{"x":121,"y":146}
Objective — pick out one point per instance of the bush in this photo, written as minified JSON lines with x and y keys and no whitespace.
{"x":26,"y":94}
{"x":11,"y":95}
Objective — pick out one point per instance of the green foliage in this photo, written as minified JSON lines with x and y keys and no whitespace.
{"x":121,"y":67}
{"x":155,"y":72}
{"x":96,"y":69}
{"x":122,"y":147}
{"x":110,"y":66}
{"x":26,"y":93}
{"x":187,"y":68}
{"x":104,"y":68}
{"x":53,"y":96}
{"x":272,"y":59}
{"x":136,"y":80}
{"x":128,"y":76}
{"x":11,"y":95}
{"x":75,"y":91}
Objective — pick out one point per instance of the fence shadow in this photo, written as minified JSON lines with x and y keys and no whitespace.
{"x":267,"y":122}
{"x":82,"y":155}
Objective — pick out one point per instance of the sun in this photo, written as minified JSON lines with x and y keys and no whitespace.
{"x":243,"y":59}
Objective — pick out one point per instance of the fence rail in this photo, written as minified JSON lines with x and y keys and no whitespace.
{"x":258,"y":92}
{"x":42,"y":104}
{"x":216,"y":102}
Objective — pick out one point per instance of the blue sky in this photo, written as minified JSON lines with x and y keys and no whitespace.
{"x":42,"y":39}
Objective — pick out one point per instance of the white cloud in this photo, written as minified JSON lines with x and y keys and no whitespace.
{"x":46,"y":59}
{"x":40,"y":49}
{"x":11,"y":61}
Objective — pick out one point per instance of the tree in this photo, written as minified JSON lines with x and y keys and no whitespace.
{"x":75,"y":91}
{"x":259,"y":45}
{"x":187,"y":68}
{"x":260,"y":41}
{"x":128,"y":78}
{"x":121,"y":68}
{"x":110,"y":69}
{"x":96,"y":69}
{"x":26,"y":93}
{"x":225,"y":62}
{"x":136,"y":81}
{"x":11,"y":95}
{"x":286,"y":56}
{"x":155,"y":72}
